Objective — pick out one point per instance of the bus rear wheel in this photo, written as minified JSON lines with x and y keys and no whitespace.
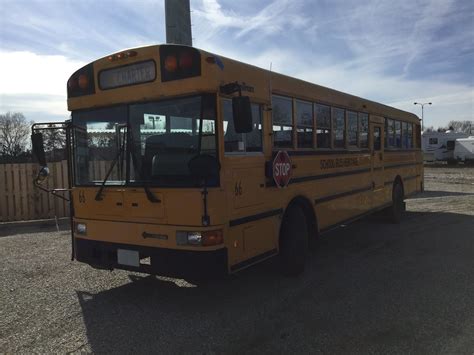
{"x":293,"y":242}
{"x":395,"y":211}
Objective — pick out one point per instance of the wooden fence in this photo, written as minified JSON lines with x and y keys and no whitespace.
{"x":21,"y":200}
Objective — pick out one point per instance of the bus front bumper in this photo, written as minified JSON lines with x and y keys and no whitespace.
{"x":159,"y":261}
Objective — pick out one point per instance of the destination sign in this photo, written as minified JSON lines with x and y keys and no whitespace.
{"x":127,"y":75}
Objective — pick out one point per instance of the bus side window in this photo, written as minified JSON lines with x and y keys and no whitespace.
{"x":352,"y":128}
{"x":241,"y":142}
{"x":339,"y":124}
{"x":363,"y":130}
{"x":404,"y":135}
{"x":377,"y":141}
{"x":398,"y":134}
{"x":304,"y":124}
{"x":253,"y":139}
{"x":282,"y":116}
{"x":390,"y":133}
{"x":323,"y":125}
{"x":410,"y":135}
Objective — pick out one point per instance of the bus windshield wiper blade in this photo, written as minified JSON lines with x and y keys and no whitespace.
{"x":149,"y":194}
{"x":98,"y":196}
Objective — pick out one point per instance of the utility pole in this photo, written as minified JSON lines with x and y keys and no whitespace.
{"x":178,"y":22}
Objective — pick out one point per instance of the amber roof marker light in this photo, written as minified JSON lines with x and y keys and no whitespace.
{"x":121,"y":55}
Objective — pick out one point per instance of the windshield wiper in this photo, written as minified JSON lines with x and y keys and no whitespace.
{"x":98,"y":196}
{"x":149,"y":194}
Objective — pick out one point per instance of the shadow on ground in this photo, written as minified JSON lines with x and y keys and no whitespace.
{"x":370,"y":287}
{"x":28,"y":227}
{"x":430,"y":194}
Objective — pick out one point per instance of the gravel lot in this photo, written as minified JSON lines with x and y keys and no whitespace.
{"x":370,"y":288}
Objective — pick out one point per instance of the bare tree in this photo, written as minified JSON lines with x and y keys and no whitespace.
{"x":461,"y":126}
{"x":14,"y":134}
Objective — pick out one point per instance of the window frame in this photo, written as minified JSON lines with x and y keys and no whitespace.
{"x":244,"y":135}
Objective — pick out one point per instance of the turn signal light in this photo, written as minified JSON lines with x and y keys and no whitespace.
{"x":206,"y":239}
{"x":212,"y":238}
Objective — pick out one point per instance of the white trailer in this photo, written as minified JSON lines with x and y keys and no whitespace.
{"x":464,"y":150}
{"x":439,"y":146}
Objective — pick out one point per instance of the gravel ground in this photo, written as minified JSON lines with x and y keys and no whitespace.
{"x":370,"y":288}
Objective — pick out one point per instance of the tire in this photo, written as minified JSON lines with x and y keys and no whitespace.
{"x":395,"y":211}
{"x":293,"y":242}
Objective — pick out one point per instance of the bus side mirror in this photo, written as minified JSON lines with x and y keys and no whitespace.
{"x":242,"y":112}
{"x":38,"y":151}
{"x":38,"y":148}
{"x":42,"y":175}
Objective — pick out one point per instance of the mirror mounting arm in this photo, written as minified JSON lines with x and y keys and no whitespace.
{"x":205,"y":220}
{"x":53,"y":191}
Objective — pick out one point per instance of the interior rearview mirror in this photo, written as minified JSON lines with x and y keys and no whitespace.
{"x":38,"y":148}
{"x":242,"y":112}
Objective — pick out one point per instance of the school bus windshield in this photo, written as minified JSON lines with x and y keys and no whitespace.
{"x":147,"y":143}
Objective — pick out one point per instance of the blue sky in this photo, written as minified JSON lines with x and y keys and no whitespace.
{"x":394,"y":52}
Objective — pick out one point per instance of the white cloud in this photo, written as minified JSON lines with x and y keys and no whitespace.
{"x":451,"y":101}
{"x":413,"y":54}
{"x":35,"y":84}
{"x":28,"y":72}
{"x":278,"y":16}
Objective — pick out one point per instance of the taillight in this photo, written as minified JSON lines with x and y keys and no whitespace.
{"x":179,"y":62}
{"x":81,"y":82}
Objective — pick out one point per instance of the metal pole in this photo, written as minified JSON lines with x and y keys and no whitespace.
{"x":422,"y":111}
{"x":422,"y":117}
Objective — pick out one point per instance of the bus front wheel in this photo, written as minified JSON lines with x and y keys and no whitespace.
{"x":293,"y":241}
{"x":397,"y":208}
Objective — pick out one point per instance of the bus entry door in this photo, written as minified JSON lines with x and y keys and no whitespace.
{"x":247,"y":195}
{"x":377,"y":163}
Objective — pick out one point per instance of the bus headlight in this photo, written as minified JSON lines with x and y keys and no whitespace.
{"x":207,"y":238}
{"x":81,"y":228}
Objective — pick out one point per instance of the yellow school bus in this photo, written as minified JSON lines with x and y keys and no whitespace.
{"x":183,"y":162}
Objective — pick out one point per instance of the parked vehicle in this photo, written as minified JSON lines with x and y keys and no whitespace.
{"x":464,"y":150}
{"x":439,"y":146}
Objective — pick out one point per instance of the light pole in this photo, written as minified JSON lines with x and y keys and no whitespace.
{"x":422,"y":105}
